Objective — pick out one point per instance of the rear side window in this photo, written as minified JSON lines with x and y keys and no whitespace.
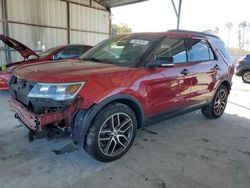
{"x":199,"y":50}
{"x":172,"y":47}
{"x":71,"y":52}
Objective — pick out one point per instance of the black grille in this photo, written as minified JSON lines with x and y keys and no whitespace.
{"x":20,"y":89}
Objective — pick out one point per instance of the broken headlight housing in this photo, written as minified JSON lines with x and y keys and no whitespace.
{"x":56,"y":91}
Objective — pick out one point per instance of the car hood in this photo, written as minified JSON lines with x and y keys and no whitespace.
{"x":66,"y":71}
{"x":18,"y":46}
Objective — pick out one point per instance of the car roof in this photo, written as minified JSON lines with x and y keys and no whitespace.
{"x":193,"y":33}
{"x":68,"y":45}
{"x":178,"y":33}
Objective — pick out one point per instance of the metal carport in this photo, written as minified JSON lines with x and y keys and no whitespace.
{"x":51,"y":23}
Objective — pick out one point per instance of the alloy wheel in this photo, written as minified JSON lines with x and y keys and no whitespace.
{"x":220,"y":102}
{"x":115,"y":134}
{"x":246,"y":77}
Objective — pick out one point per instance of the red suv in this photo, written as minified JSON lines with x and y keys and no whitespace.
{"x":123,"y":84}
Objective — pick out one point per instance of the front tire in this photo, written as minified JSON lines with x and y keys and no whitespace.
{"x":218,"y":105}
{"x":111,"y":133}
{"x":246,"y":77}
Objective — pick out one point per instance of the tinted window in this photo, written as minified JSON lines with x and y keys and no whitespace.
{"x":171,"y":47}
{"x":224,"y":50}
{"x":199,"y":50}
{"x":248,"y":57}
{"x":48,"y":52}
{"x":122,"y":50}
{"x":71,"y":52}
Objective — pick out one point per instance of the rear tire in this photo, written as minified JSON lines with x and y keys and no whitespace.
{"x":217,"y":107}
{"x":246,"y":76}
{"x":111,"y":133}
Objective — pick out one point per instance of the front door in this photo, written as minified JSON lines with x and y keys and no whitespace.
{"x":173,"y":89}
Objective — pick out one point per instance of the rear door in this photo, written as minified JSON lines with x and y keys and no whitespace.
{"x":201,"y":56}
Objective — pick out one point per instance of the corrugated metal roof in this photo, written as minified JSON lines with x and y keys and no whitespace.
{"x":116,"y":3}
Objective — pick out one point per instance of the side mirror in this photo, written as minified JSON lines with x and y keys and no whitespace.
{"x":56,"y":57}
{"x":162,"y":62}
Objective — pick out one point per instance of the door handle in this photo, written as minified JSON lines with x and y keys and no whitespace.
{"x":217,"y":67}
{"x":185,"y":71}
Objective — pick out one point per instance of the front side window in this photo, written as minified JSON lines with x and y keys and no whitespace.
{"x":123,"y":50}
{"x":171,"y":47}
{"x":199,"y":50}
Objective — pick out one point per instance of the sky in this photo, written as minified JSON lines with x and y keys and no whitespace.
{"x":196,"y":15}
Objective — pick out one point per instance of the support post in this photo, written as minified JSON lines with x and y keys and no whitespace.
{"x":6,"y":30}
{"x":68,"y":22}
{"x":110,"y":23}
{"x":177,"y":13}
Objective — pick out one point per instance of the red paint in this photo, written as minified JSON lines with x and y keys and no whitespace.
{"x":157,"y":89}
{"x":38,"y":122}
{"x":5,"y":75}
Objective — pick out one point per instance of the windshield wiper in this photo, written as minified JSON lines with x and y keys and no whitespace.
{"x":93,"y":59}
{"x":96,"y":60}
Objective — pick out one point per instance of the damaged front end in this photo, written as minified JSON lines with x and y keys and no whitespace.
{"x":47,"y":110}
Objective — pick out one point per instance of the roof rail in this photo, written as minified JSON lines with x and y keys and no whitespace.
{"x":193,"y":32}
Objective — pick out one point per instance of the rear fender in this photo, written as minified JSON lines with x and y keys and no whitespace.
{"x":225,"y":81}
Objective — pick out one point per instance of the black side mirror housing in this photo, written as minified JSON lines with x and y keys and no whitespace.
{"x":162,"y":62}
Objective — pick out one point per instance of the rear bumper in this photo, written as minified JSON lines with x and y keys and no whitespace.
{"x":37,"y":122}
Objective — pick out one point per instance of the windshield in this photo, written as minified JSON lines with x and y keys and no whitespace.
{"x":48,"y":52}
{"x":123,"y":50}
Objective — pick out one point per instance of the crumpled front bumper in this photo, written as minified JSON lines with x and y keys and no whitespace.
{"x":37,"y":122}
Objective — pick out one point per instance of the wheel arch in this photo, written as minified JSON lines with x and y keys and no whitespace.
{"x":226,"y":83}
{"x":243,"y":70}
{"x":84,"y":118}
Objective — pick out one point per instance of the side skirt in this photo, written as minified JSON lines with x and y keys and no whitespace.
{"x":171,"y":114}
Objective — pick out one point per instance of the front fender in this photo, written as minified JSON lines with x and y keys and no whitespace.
{"x":84,"y":117}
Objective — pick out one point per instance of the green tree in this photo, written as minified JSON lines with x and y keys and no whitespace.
{"x":229,"y":26}
{"x":240,"y":39}
{"x":215,"y":31}
{"x":242,"y":27}
{"x":119,"y":29}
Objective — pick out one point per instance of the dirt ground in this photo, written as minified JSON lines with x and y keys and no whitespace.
{"x":184,"y":152}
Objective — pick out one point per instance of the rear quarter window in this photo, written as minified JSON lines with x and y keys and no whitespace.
{"x":224,"y":51}
{"x":248,"y":57}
